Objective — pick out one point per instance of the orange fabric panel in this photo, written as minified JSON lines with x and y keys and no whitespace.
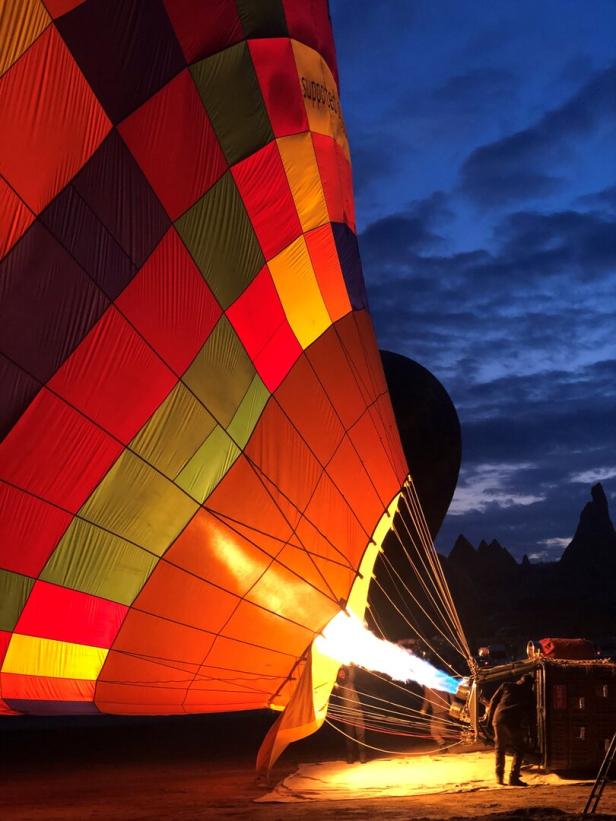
{"x":215,"y":552}
{"x":150,"y":637}
{"x":299,"y":292}
{"x":198,"y":701}
{"x":298,"y":473}
{"x":177,"y":595}
{"x":354,"y":349}
{"x":385,"y":421}
{"x":21,"y":22}
{"x":251,"y":623}
{"x":332,"y":367}
{"x":45,"y":688}
{"x":228,"y":652}
{"x":56,"y":122}
{"x":351,"y":477}
{"x":300,"y":165}
{"x":325,"y":555}
{"x":302,"y":397}
{"x":324,"y":256}
{"x":243,"y":496}
{"x":359,"y":341}
{"x":290,"y":594}
{"x":372,"y":448}
{"x":15,"y":218}
{"x":330,"y":513}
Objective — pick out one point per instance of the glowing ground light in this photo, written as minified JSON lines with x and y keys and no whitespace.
{"x":345,"y":639}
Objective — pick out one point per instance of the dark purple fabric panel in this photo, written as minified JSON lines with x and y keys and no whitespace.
{"x":348,"y":253}
{"x":52,"y":708}
{"x":85,"y":237}
{"x":126,"y":49}
{"x":47,"y":303}
{"x":18,"y":390}
{"x":115,"y":189}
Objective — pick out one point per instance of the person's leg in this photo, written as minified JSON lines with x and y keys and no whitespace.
{"x":499,"y":751}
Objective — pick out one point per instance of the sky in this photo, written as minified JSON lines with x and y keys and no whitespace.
{"x":483,"y":141}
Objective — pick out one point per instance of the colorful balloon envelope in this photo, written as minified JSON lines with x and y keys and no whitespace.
{"x":199,"y":454}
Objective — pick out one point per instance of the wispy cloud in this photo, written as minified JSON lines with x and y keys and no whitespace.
{"x":486,"y":485}
{"x":588,"y":477}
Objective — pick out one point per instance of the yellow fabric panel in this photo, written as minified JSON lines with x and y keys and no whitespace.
{"x":320,"y":95}
{"x":300,"y":165}
{"x":299,"y":293}
{"x":21,"y":22}
{"x":32,"y":656}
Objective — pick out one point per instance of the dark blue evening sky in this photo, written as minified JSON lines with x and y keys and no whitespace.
{"x":483,"y":139}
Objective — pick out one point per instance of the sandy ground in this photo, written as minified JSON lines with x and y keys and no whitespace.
{"x":200,"y":768}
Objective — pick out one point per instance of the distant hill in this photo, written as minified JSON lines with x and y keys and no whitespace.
{"x":573,"y":596}
{"x":501,"y":599}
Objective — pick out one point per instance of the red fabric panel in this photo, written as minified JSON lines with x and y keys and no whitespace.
{"x":308,"y":21}
{"x":204,"y":28}
{"x":264,"y":188}
{"x":325,"y":151}
{"x":56,"y":122}
{"x":54,"y":612}
{"x":345,"y":177}
{"x":261,"y":324}
{"x":54,"y":452}
{"x":277,"y":73}
{"x":29,"y":531}
{"x":114,"y":378}
{"x":351,"y":477}
{"x":170,"y":304}
{"x":45,"y":688}
{"x":293,"y":477}
{"x":5,"y":637}
{"x":15,"y":218}
{"x":59,"y":7}
{"x":172,"y":139}
{"x":302,"y":397}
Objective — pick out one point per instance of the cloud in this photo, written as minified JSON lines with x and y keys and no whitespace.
{"x":514,"y":168}
{"x":485,"y":485}
{"x":588,"y":477}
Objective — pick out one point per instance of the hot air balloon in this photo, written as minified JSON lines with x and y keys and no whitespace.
{"x":199,"y":458}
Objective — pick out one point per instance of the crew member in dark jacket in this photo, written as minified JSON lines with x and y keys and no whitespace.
{"x":511,"y":712}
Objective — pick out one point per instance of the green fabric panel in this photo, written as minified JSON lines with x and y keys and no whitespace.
{"x":14,"y":591}
{"x":247,"y":415}
{"x":220,"y":237}
{"x":174,"y":432}
{"x":221,"y":372}
{"x":262,"y":18}
{"x":230,"y":92}
{"x":137,"y":503}
{"x":94,"y":561}
{"x":209,"y":464}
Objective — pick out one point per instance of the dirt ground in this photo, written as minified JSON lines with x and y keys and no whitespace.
{"x":203,"y":767}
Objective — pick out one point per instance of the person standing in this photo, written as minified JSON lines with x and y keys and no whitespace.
{"x":436,"y":705}
{"x":353,"y":725}
{"x":511,"y":712}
